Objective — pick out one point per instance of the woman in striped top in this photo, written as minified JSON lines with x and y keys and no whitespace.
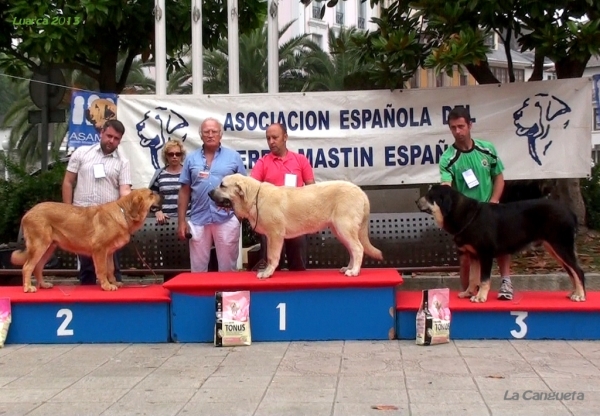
{"x":166,"y":182}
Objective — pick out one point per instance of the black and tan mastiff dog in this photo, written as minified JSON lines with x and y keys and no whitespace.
{"x":485,"y":231}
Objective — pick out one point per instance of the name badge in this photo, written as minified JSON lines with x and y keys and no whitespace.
{"x":470,"y":178}
{"x":99,"y":171}
{"x":203,"y":175}
{"x":290,"y":180}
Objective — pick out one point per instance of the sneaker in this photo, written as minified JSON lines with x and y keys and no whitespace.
{"x":506,"y":290}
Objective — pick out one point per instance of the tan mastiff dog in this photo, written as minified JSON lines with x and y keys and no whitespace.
{"x":96,"y":231}
{"x":288,"y":212}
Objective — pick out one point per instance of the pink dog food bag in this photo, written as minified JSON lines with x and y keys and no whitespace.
{"x":5,"y":318}
{"x":433,"y":317}
{"x":232,"y":326}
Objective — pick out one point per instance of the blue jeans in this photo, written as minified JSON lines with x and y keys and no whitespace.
{"x":87,"y":272}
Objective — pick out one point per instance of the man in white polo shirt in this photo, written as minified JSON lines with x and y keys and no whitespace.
{"x":96,"y":175}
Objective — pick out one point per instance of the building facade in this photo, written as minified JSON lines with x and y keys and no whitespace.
{"x":308,"y":20}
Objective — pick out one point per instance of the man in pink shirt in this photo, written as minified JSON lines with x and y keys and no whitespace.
{"x":282,"y":167}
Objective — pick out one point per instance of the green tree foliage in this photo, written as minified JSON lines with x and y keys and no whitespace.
{"x":100,"y":31}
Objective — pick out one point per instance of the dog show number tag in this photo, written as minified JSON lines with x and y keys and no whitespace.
{"x":99,"y":171}
{"x":290,"y":180}
{"x":470,"y":178}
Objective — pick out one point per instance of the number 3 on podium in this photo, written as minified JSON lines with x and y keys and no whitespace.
{"x":520,"y":321}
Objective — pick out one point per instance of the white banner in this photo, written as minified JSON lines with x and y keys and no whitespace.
{"x":540,"y":129}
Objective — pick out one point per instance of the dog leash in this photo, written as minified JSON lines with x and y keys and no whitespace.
{"x":256,"y":203}
{"x":468,"y":223}
{"x":137,"y":251}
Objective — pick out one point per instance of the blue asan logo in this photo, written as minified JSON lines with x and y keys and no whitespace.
{"x":535,"y":119}
{"x":159,"y":126}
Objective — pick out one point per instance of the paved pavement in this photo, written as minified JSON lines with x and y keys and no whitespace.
{"x":303,"y":378}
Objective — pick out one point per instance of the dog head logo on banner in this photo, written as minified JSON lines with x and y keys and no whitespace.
{"x":536,"y":118}
{"x":157,"y":127}
{"x":89,"y":112}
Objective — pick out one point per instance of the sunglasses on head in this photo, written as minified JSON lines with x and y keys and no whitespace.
{"x":171,"y":154}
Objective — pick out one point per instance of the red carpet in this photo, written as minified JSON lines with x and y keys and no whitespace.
{"x":87,"y":294}
{"x":523,"y":301}
{"x":205,"y":283}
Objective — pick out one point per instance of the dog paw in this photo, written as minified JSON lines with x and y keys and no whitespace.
{"x":119,"y":284}
{"x":351,"y":273}
{"x":478,"y":299}
{"x":109,"y":287}
{"x":343,"y":270}
{"x":465,"y":294}
{"x":577,"y":298}
{"x":46,"y":285}
{"x":29,"y":289}
{"x":263,"y":275}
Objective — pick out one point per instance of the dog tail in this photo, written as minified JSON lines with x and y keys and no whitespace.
{"x":18,"y":257}
{"x":363,"y":235}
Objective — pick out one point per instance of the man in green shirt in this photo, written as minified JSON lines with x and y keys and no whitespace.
{"x":473,"y":167}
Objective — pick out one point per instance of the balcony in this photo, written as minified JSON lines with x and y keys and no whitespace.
{"x":339,"y":18}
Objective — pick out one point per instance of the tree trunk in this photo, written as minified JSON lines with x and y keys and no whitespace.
{"x":538,"y":67}
{"x":569,"y":192}
{"x":482,"y":73}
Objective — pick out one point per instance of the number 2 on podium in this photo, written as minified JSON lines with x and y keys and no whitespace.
{"x":62,"y":330}
{"x":282,"y":316}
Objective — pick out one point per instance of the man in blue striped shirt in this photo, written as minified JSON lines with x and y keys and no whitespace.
{"x":203,"y":171}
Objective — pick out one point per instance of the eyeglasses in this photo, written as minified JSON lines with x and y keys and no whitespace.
{"x":207,"y":132}
{"x":171,"y":154}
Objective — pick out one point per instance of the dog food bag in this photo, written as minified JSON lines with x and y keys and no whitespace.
{"x":433,"y":317}
{"x":5,"y":318}
{"x":232,"y":326}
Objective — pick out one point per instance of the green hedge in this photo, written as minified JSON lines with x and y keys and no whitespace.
{"x":22,"y":191}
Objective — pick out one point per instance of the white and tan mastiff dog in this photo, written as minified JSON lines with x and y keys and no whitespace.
{"x":287,"y":212}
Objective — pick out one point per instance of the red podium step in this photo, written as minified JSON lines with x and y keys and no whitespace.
{"x":307,"y":305}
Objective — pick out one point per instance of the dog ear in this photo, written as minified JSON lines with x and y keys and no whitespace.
{"x":137,"y":208}
{"x":445,"y":201}
{"x":239,"y":190}
{"x":175,"y":122}
{"x":108,"y":113}
{"x":556,"y":107}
